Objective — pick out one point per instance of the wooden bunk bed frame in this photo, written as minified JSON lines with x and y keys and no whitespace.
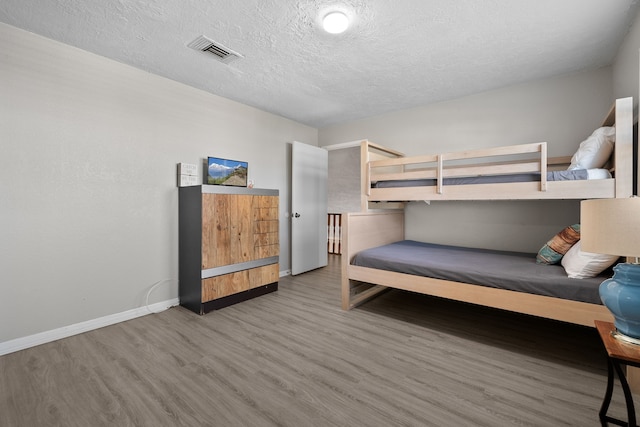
{"x":371,"y":228}
{"x":363,"y":230}
{"x":382,"y":164}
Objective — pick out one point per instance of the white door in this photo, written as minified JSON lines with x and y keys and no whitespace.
{"x":309,"y":172}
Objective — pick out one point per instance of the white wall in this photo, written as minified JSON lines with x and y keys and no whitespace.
{"x":88,"y":179}
{"x":562,"y":111}
{"x":625,"y":66}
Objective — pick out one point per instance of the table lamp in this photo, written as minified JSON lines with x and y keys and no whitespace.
{"x":612,"y":226}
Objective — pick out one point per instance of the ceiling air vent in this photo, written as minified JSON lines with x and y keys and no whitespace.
{"x":217,"y":50}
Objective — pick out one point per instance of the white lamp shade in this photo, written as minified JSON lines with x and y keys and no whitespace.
{"x":611,"y":226}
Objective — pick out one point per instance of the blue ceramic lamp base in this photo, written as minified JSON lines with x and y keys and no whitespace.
{"x":621,"y":295}
{"x":625,"y":338}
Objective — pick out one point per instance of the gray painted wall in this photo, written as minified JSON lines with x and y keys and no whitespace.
{"x":625,"y":67}
{"x":88,"y":179}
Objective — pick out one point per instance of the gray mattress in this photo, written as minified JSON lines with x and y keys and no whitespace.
{"x":498,"y":269}
{"x":565,"y":175}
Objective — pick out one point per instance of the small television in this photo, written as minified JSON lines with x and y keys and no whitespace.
{"x":226,"y":172}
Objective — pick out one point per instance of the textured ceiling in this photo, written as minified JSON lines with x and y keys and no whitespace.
{"x":395,"y":55}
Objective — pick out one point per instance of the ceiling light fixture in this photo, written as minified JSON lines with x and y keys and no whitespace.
{"x":335,"y":22}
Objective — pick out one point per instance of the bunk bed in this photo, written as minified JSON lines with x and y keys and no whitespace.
{"x":517,"y":172}
{"x":378,"y":229}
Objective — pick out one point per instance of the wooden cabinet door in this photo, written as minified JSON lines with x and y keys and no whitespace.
{"x":238,"y":228}
{"x":216,"y":232}
{"x":265,"y":227}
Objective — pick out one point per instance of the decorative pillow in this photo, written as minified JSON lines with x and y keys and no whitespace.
{"x":582,"y":265}
{"x":595,"y":150}
{"x":554,"y":250}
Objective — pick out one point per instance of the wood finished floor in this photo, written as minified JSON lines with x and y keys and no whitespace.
{"x":294,"y":358}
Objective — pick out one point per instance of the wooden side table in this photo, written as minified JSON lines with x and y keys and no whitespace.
{"x":619,"y":353}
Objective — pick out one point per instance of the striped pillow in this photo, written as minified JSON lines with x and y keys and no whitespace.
{"x":553,"y":251}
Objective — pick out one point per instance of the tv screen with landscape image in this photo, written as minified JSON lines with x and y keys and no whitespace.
{"x":226,"y":172}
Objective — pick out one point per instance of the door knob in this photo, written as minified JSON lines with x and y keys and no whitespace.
{"x":296,"y":215}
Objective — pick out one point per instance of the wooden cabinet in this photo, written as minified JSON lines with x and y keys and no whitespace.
{"x":228,"y":245}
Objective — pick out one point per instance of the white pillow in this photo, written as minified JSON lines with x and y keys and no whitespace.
{"x":598,"y":174}
{"x":582,"y":265}
{"x":595,"y":150}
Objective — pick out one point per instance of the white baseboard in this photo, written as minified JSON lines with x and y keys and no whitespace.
{"x":285,"y":273}
{"x":78,"y":328}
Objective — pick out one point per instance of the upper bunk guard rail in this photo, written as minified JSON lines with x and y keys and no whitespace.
{"x":388,"y":165}
{"x":369,"y":152}
{"x":468,"y":163}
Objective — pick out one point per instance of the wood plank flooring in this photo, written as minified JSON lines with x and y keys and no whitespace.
{"x":294,"y":358}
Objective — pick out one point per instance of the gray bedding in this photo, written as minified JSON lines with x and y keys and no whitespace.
{"x":498,"y":269}
{"x":564,"y":175}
